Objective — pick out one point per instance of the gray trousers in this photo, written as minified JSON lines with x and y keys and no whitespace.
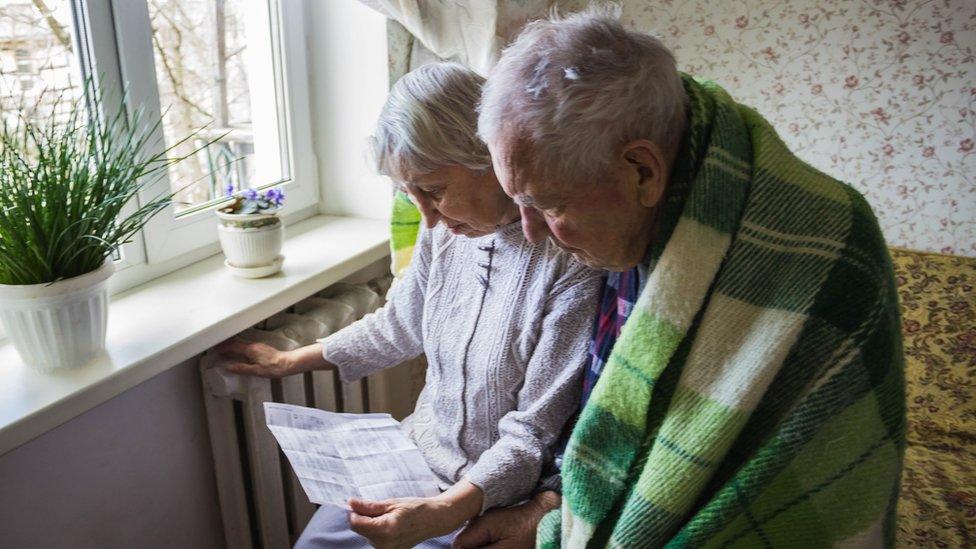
{"x":329,"y":528}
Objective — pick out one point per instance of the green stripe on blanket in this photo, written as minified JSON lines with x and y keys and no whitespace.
{"x":786,"y":424}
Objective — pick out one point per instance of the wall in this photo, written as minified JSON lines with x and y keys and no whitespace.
{"x":880,"y":94}
{"x":135,"y":471}
{"x":348,"y":75}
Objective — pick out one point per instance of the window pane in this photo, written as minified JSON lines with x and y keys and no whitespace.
{"x":37,"y":59}
{"x":212,"y":71}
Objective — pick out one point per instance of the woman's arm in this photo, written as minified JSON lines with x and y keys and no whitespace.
{"x":391,"y":334}
{"x":509,"y":470}
{"x":384,"y":338}
{"x":405,"y":522}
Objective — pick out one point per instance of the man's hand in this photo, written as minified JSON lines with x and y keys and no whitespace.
{"x":508,"y":527}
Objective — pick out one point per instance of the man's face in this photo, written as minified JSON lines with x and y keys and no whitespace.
{"x":603,"y":223}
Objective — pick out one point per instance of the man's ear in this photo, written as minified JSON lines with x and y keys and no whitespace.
{"x":650,"y":164}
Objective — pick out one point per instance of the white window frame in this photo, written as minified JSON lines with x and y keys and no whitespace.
{"x":167,"y":237}
{"x":97,"y":57}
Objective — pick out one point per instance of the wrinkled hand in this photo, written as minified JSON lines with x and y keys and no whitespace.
{"x":401,"y":522}
{"x":507,"y":527}
{"x":253,"y":358}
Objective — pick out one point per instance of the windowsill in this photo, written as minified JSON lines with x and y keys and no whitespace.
{"x":170,"y":319}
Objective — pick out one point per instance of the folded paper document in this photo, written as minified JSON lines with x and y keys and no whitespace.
{"x":340,"y":456}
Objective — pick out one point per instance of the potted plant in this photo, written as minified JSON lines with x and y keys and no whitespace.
{"x":65,"y":178}
{"x":251,"y":233}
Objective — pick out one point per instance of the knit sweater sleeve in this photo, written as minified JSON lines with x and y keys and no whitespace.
{"x":510,"y":470}
{"x":391,"y":334}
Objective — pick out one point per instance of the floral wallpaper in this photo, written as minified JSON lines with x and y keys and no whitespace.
{"x":880,"y":94}
{"x":877,"y":93}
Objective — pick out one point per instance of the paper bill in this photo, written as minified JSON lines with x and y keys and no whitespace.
{"x":340,"y":456}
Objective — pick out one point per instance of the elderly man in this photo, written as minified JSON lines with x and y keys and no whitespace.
{"x":746,"y":382}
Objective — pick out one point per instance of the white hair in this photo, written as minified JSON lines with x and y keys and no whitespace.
{"x":430,"y":121}
{"x":576,"y":88}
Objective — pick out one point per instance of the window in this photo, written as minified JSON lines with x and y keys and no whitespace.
{"x":37,"y":57}
{"x":206,"y":53}
{"x":220,"y":68}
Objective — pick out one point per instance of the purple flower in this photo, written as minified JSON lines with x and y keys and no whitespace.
{"x":229,"y":189}
{"x":275,"y":195}
{"x":251,"y":194}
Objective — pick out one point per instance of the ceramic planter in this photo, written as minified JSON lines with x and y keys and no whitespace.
{"x":251,"y":242}
{"x":60,"y":325}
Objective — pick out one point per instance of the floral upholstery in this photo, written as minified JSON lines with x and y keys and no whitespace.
{"x":937,"y":504}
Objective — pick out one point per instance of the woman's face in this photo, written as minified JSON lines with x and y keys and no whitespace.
{"x":468,"y":202}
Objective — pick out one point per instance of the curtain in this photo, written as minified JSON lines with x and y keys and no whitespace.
{"x":472,"y":32}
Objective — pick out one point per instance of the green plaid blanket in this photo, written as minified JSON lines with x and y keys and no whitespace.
{"x":755,"y":397}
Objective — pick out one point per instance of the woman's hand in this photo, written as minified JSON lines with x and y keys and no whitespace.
{"x":253,"y":358}
{"x":260,"y":359}
{"x":401,"y":522}
{"x":405,"y":522}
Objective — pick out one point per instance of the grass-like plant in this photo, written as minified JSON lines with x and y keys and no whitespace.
{"x":64,"y":181}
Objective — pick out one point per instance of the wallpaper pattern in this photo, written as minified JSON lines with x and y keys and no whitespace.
{"x":879,"y":94}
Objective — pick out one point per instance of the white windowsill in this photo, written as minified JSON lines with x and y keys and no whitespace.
{"x":170,"y":319}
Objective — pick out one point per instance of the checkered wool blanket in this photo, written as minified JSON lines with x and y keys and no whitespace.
{"x":755,"y":397}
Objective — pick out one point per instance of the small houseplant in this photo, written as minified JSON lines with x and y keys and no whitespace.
{"x":251,"y":233}
{"x":65,"y":178}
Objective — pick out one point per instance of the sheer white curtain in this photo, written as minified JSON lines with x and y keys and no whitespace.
{"x":472,"y":32}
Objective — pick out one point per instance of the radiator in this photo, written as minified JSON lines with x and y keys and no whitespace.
{"x":262,"y":503}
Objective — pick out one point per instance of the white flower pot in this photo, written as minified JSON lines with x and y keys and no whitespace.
{"x":60,"y":325}
{"x":250,"y":241}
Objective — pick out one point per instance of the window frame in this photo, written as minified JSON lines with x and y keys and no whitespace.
{"x":120,"y":34}
{"x":97,"y":57}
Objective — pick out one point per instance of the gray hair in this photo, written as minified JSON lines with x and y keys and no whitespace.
{"x":430,"y":121}
{"x":577,"y":87}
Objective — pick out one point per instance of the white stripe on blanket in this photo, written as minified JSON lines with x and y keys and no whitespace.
{"x":684,"y":272}
{"x":738,"y":351}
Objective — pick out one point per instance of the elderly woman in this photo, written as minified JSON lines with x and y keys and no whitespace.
{"x":747,"y":385}
{"x":504,"y":324}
